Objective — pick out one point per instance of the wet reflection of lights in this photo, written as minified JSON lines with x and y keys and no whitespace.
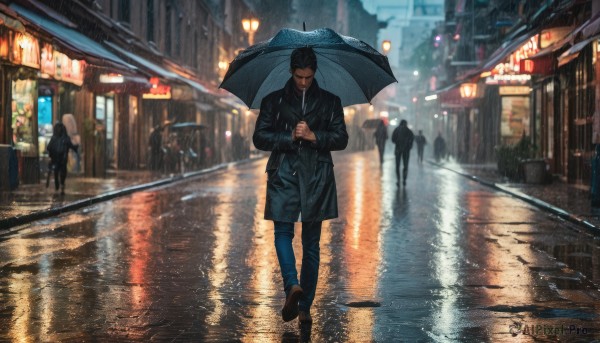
{"x":46,"y":297}
{"x":447,"y":257}
{"x":357,"y":191}
{"x":500,"y":270}
{"x":140,"y":225}
{"x":20,"y":289}
{"x":263,"y":261}
{"x":361,"y":251}
{"x":218,"y":274}
{"x":107,"y":250}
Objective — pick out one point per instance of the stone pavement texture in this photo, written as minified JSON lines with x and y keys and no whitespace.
{"x":33,"y":202}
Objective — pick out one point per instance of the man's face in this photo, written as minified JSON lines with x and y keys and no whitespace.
{"x":303,"y":78}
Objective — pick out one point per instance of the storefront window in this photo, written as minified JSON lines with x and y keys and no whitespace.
{"x":44,"y":123}
{"x":515,"y":119}
{"x":23,"y":95}
{"x":105,"y":107}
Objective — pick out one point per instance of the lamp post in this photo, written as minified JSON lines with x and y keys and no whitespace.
{"x":386,"y":45}
{"x":250,"y":26}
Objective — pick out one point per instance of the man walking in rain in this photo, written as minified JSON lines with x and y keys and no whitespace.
{"x":301,"y":124}
{"x":403,"y":138}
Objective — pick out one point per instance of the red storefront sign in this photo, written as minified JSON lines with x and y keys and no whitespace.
{"x":539,"y":65}
{"x":158,"y":90}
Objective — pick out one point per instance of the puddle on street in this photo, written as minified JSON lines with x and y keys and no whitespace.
{"x":583,"y":257}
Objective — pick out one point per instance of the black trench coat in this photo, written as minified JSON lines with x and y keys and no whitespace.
{"x":300,"y":174}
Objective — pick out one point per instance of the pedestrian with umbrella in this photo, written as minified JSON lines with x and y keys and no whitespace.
{"x":301,"y":121}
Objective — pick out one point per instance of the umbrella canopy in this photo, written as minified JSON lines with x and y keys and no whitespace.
{"x":346,"y":67}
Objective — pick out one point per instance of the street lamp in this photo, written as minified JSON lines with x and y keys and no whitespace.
{"x":250,"y":26}
{"x":468,"y":90}
{"x":386,"y":45}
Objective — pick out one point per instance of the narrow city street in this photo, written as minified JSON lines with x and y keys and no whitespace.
{"x":443,"y":259}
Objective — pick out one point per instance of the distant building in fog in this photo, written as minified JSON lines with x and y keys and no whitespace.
{"x":409,"y":22}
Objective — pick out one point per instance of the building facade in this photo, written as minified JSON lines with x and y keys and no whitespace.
{"x":118,"y":70}
{"x":533,"y":66}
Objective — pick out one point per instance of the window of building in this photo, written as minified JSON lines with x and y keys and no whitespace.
{"x":150,"y":20}
{"x":168,"y":30}
{"x":178,"y":30}
{"x":124,"y":12}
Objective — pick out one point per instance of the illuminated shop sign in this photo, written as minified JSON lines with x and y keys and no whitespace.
{"x":553,"y":35}
{"x":70,"y":70}
{"x":512,"y":66}
{"x":4,"y":43}
{"x":507,"y":79}
{"x":48,"y":63}
{"x":158,"y":90}
{"x":60,"y":67}
{"x":26,"y":50}
{"x":514,"y":90}
{"x":111,"y":78}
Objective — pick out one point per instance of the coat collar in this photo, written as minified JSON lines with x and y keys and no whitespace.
{"x":295,"y":100}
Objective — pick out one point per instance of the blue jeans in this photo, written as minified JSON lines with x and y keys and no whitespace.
{"x":309,"y":274}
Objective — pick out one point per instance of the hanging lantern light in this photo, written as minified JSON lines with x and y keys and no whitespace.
{"x":468,"y":90}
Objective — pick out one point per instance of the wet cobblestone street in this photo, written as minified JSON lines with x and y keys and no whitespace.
{"x":443,"y":259}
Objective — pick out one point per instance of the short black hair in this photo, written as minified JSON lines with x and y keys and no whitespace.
{"x":303,"y":58}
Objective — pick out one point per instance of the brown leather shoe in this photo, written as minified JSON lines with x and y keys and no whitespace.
{"x":290,"y":308}
{"x":304,"y":317}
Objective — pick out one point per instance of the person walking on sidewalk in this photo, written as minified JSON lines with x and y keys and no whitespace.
{"x":156,"y":145}
{"x":381,"y":137}
{"x":421,"y":142}
{"x":58,"y":150}
{"x":439,"y":148}
{"x":403,"y":138}
{"x":300,"y":124}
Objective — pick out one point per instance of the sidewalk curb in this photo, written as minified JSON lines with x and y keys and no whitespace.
{"x":75,"y":205}
{"x":531,"y":200}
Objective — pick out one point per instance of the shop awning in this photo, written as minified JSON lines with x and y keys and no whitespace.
{"x":542,"y":63}
{"x":155,"y":69}
{"x":592,"y":26}
{"x":151,"y":67}
{"x":500,"y":54}
{"x":574,"y":51}
{"x":73,"y":40}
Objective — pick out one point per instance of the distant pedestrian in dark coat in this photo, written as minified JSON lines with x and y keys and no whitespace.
{"x":58,"y":150}
{"x":155,"y":142}
{"x":421,"y":142}
{"x":381,"y":137}
{"x":439,"y":147}
{"x":403,"y":138}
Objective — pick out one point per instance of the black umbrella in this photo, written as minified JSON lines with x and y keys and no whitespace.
{"x":347,"y":67}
